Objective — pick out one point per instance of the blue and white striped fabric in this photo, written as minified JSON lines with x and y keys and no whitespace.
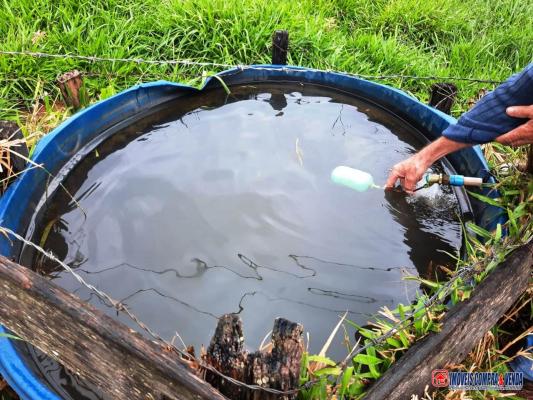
{"x":487,"y":119}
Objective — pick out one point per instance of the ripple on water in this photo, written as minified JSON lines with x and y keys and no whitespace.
{"x":220,"y":204}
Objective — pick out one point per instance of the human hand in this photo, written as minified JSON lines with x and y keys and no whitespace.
{"x":524,"y":133}
{"x":409,"y":172}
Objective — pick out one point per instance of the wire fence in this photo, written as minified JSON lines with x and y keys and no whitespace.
{"x":410,"y":318}
{"x":213,"y":65}
{"x":111,"y":59}
{"x":438,"y":298}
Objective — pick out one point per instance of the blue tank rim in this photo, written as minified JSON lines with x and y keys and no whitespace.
{"x":148,"y":95}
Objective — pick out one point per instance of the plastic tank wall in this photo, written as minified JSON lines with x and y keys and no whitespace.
{"x":94,"y":124}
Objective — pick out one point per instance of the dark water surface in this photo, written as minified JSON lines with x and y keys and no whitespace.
{"x":223,"y":204}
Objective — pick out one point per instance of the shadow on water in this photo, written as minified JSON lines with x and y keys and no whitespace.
{"x":278,"y":101}
{"x":273,"y":299}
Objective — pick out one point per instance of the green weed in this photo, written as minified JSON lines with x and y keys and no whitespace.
{"x":452,"y":38}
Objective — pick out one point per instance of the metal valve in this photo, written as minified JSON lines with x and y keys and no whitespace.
{"x":453,"y":180}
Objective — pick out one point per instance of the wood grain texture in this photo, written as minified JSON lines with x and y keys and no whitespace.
{"x":226,"y":353}
{"x":462,"y":327}
{"x":70,"y":84}
{"x":120,"y":362}
{"x":276,"y":366}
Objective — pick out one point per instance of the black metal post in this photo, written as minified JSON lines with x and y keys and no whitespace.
{"x":442,"y":96}
{"x":280,"y":47}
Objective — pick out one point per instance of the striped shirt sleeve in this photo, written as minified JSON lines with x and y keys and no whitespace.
{"x":487,"y":119}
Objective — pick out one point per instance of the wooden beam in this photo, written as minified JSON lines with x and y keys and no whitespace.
{"x":280,"y":47}
{"x":462,"y":327}
{"x":442,"y":96}
{"x":106,"y":353}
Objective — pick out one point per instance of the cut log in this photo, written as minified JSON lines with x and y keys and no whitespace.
{"x":462,"y":327}
{"x":280,"y":367}
{"x":226,"y":354}
{"x":120,"y":362}
{"x":276,"y":367}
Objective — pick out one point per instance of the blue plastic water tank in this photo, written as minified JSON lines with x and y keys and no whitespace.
{"x":100,"y":120}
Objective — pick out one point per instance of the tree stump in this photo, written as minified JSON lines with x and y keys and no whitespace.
{"x":277,"y":366}
{"x":226,"y":354}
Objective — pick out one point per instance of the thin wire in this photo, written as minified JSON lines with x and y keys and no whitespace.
{"x":111,"y":59}
{"x":437,"y":298}
{"x":123,"y":308}
{"x":21,"y":99}
{"x":241,"y":67}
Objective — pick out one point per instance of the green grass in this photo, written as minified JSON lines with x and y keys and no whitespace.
{"x":476,"y":38}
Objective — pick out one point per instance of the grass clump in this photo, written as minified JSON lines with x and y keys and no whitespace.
{"x":450,"y":38}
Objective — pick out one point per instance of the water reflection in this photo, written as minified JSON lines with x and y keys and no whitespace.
{"x":415,"y":216}
{"x":204,"y":209}
{"x":278,"y":101}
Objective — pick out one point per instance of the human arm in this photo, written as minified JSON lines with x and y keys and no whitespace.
{"x":524,"y":133}
{"x":489,"y":118}
{"x":499,"y":116}
{"x":410,"y":171}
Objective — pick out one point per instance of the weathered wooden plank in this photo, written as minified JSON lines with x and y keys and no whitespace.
{"x":462,"y":327}
{"x":121,"y":363}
